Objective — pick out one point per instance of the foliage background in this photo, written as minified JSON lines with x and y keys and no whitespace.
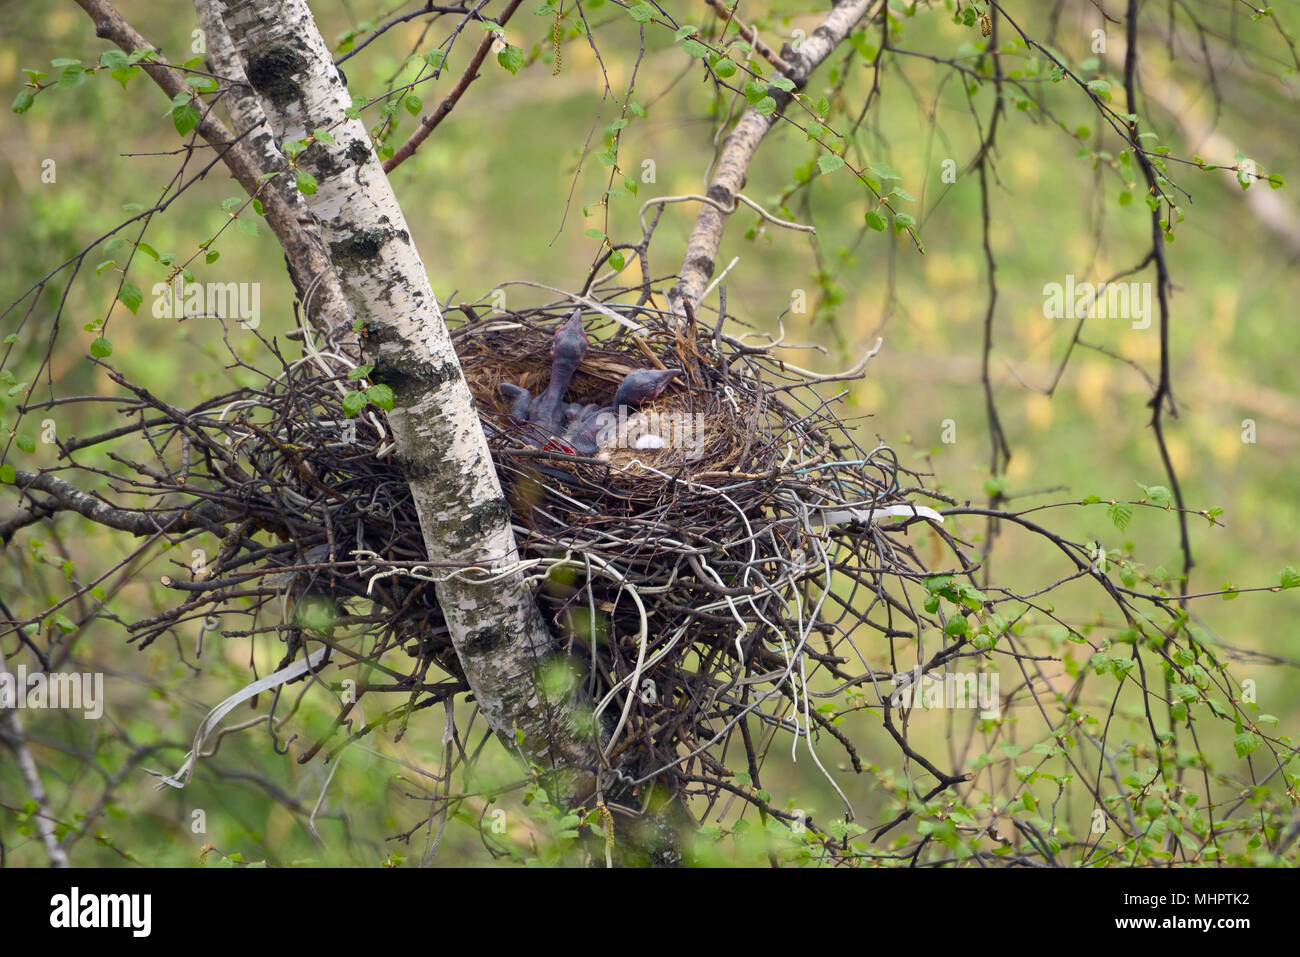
{"x":488,"y":199}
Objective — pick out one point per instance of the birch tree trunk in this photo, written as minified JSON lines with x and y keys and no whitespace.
{"x":500,"y":637}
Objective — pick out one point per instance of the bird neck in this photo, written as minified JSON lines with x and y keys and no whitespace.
{"x":562,"y":370}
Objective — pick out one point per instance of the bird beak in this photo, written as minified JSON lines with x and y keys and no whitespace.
{"x":668,"y":376}
{"x":574,"y":325}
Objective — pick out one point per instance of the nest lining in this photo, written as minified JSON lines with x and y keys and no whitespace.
{"x":516,"y":349}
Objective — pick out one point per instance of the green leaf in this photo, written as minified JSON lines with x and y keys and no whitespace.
{"x":131,"y":296}
{"x":957,"y":626}
{"x":695,"y":48}
{"x":876,"y":221}
{"x":1156,"y":494}
{"x":306,"y":182}
{"x":8,"y":474}
{"x":72,"y":77}
{"x":617,"y":260}
{"x":414,"y":104}
{"x":211,"y":257}
{"x":23,"y":101}
{"x":124,"y":73}
{"x":101,"y":348}
{"x":434,"y":58}
{"x":353,"y":403}
{"x":641,"y":12}
{"x":382,"y":396}
{"x":512,"y":58}
{"x":725,"y":68}
{"x":1119,"y":514}
{"x":830,"y":162}
{"x":25,"y":443}
{"x":184,"y":116}
{"x":360,"y":372}
{"x":937,"y":583}
{"x":1289,"y":577}
{"x":1246,"y":743}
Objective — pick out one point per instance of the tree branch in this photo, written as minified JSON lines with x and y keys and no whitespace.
{"x":286,"y":213}
{"x":743,"y":141}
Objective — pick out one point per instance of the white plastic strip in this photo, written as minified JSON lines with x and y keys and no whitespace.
{"x":209,"y":725}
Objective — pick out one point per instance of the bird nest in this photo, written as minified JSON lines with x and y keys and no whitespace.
{"x":705,"y":587}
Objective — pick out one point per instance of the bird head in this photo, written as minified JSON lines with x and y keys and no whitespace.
{"x":643,"y":385}
{"x":570,"y":342}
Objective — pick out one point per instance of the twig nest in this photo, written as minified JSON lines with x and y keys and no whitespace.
{"x":693,"y":568}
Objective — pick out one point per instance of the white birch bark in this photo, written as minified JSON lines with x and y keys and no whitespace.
{"x":499,"y":635}
{"x":11,"y":735}
{"x":743,"y":141}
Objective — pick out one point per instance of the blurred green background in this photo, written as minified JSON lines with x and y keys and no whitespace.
{"x":496,"y":195}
